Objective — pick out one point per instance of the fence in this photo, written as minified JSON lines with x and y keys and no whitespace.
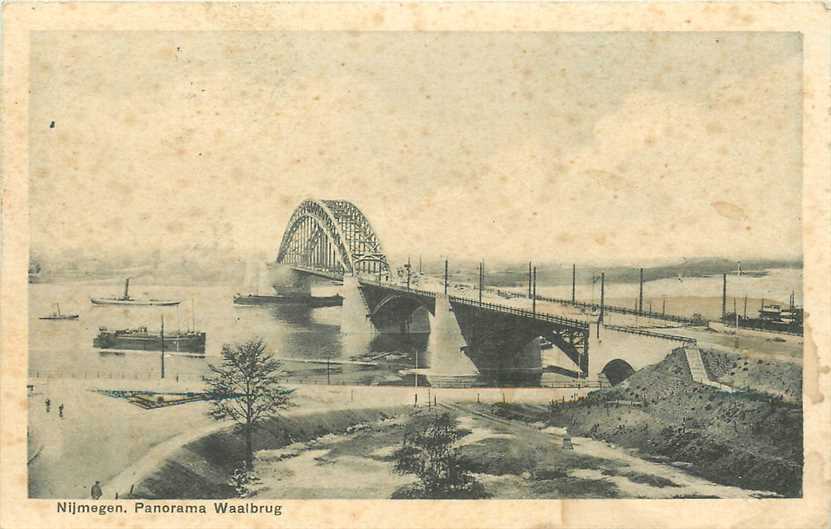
{"x":644,"y":332}
{"x":114,"y":375}
{"x":314,"y":380}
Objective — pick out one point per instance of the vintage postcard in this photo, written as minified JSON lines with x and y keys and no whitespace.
{"x":415,"y":265}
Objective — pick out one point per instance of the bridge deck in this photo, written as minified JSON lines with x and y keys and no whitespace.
{"x":494,"y":307}
{"x":320,"y":272}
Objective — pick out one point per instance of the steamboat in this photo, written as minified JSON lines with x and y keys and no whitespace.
{"x":58,"y":315}
{"x":771,"y":317}
{"x":125,"y":299}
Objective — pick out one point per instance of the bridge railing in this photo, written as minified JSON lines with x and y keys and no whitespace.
{"x":505,"y":309}
{"x":398,"y":288}
{"x":611,"y":308}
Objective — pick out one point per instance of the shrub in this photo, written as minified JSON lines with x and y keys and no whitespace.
{"x":431,"y":455}
{"x":242,"y":479}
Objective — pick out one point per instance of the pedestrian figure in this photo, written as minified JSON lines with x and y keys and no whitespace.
{"x":60,"y":410}
{"x":48,"y":404}
{"x":96,"y":491}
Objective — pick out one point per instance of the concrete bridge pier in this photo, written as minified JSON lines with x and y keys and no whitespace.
{"x":355,"y":311}
{"x":446,"y":345}
{"x":289,"y":282}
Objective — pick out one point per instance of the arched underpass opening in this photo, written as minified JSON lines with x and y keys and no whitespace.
{"x":617,"y":371}
{"x":401,"y":315}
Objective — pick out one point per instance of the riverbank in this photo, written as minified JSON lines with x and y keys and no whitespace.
{"x":202,"y":468}
{"x":107,"y":439}
{"x":350,"y":454}
{"x":748,"y":438}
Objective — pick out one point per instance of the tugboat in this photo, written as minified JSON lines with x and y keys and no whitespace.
{"x":58,"y":316}
{"x":127,"y":300}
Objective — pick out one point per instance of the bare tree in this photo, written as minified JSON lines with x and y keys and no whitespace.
{"x":246,"y":388}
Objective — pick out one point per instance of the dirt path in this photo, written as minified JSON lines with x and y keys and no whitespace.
{"x":636,"y":478}
{"x":130,"y":442}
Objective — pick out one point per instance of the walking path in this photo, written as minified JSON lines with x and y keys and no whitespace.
{"x":101,"y":438}
{"x":122,"y":484}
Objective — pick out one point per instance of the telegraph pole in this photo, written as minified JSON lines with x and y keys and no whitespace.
{"x":162,"y":334}
{"x":573,"y":283}
{"x":534,"y":293}
{"x":445,"y":276}
{"x":480,"y":283}
{"x":723,"y":296}
{"x":602,"y":296}
{"x":529,"y":279}
{"x":408,"y":272}
{"x":735,"y":310}
{"x":640,"y":295}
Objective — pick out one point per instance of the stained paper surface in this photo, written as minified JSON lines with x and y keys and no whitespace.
{"x":374,"y":156}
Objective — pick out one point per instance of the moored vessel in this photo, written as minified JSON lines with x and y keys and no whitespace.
{"x":142,"y":339}
{"x":253,"y":297}
{"x":310,"y":301}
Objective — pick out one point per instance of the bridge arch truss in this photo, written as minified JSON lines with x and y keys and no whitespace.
{"x":333,"y":236}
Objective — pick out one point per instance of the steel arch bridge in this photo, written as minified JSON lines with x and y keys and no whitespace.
{"x":332,"y":236}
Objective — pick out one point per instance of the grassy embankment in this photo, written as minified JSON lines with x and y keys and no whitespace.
{"x":201,"y":469}
{"x":751,"y":439}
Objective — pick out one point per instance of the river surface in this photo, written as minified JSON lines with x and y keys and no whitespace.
{"x":64,"y":348}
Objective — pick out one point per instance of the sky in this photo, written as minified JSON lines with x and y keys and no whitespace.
{"x":569,"y":147}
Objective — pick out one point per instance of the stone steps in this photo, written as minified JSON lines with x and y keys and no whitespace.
{"x":699,"y":372}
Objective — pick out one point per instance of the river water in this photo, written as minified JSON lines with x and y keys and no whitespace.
{"x":64,"y":348}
